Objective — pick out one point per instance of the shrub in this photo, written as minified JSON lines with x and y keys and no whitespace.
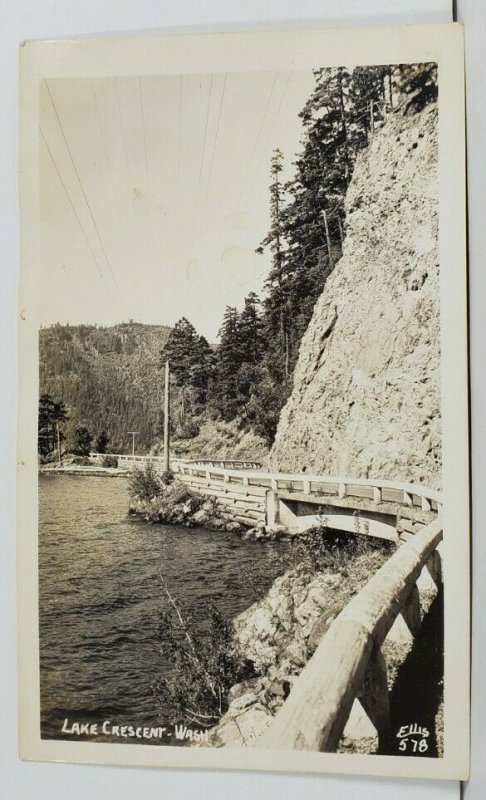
{"x":144,"y":482}
{"x":81,"y":461}
{"x":323,"y":549}
{"x":109,"y":461}
{"x":189,"y":430}
{"x":102,"y":442}
{"x":205,"y":667}
{"x":82,"y":441}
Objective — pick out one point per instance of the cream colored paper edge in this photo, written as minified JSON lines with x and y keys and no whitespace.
{"x":276,"y":50}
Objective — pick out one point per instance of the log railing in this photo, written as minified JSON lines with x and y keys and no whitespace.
{"x":348,"y":662}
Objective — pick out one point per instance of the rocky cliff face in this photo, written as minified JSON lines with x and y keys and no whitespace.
{"x":366,"y":393}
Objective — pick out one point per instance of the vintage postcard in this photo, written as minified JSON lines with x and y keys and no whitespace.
{"x":243,"y":404}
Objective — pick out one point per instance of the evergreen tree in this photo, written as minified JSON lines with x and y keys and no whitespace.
{"x":82,"y":441}
{"x":250,"y":331}
{"x":277,"y":310}
{"x":51,"y":414}
{"x":202,"y":369}
{"x":225,"y":397}
{"x":191,"y":363}
{"x":417,"y":85}
{"x":180,"y":350}
{"x":102,"y":442}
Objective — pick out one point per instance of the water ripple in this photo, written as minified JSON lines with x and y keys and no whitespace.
{"x":100,"y":595}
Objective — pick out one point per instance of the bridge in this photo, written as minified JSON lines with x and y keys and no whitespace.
{"x":343,"y":689}
{"x":244,"y":492}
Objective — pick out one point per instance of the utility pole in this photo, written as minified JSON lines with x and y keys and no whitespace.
{"x":59,"y":457}
{"x":133,"y":434}
{"x":166,"y":418}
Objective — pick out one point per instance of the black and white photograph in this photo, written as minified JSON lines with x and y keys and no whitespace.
{"x":245,"y":404}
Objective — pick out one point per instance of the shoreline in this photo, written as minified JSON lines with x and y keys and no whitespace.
{"x":94,"y":471}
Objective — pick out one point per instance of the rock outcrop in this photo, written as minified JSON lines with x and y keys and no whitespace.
{"x":277,"y":635}
{"x":366,"y":392}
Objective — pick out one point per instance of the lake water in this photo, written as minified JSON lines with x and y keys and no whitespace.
{"x":100,"y":594}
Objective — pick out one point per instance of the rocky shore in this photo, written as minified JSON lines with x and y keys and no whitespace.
{"x":175,"y":504}
{"x":278,"y":634}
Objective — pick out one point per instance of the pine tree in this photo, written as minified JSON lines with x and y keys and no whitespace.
{"x":180,"y":351}
{"x":250,"y":331}
{"x":82,"y":441}
{"x":202,"y":369}
{"x":51,"y":414}
{"x":225,"y":397}
{"x":277,"y":307}
{"x":191,"y":363}
{"x":102,"y":442}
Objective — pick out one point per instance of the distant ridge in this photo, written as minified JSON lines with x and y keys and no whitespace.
{"x":109,"y":378}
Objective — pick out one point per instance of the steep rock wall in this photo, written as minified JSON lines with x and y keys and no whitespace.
{"x":366,"y":392}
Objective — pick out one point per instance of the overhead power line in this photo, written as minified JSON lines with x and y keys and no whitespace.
{"x":203,"y":150}
{"x":147,"y":173}
{"x":82,"y":187}
{"x":255,"y":146}
{"x":85,"y":235}
{"x":269,"y":135}
{"x":215,"y":140}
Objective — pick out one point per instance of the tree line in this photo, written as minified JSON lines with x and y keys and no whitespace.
{"x":52,"y":439}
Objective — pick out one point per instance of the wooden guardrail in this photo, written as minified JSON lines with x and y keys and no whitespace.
{"x":348,"y":662}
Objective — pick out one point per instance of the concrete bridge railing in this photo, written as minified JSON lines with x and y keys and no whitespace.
{"x":129,"y":460}
{"x":381,"y":508}
{"x":243,"y":491}
{"x":347,"y":674}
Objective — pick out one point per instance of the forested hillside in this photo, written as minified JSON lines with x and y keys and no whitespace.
{"x":108,"y":378}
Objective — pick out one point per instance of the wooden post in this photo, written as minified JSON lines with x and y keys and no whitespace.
{"x":372,"y":119}
{"x":166,"y":418}
{"x":408,"y":623}
{"x":328,"y":239}
{"x":370,"y":713}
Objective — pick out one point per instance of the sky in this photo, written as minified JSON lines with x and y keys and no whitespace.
{"x":154,"y":192}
